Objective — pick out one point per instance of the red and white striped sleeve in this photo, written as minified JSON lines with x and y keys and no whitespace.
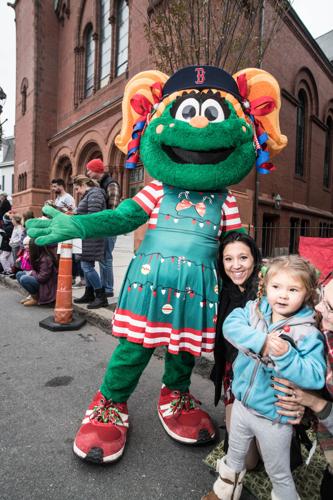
{"x":230,"y":220}
{"x":149,"y":196}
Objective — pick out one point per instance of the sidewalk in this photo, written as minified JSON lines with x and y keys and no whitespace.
{"x":122,"y":255}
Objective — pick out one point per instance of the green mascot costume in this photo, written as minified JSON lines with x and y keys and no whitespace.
{"x":197,"y":132}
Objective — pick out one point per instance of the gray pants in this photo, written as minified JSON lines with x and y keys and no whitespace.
{"x":274,"y":441}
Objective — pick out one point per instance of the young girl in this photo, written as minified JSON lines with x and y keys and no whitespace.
{"x":15,"y":239}
{"x":23,"y":260}
{"x":286,"y":309}
{"x":41,"y":281}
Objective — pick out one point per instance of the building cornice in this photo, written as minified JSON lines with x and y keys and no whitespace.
{"x":297,"y":207}
{"x":107,"y":108}
{"x":300,"y":31}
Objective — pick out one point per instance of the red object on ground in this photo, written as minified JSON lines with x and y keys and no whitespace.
{"x":63,"y":311}
{"x":319,"y":251}
{"x":102,"y":435}
{"x":183,"y":419}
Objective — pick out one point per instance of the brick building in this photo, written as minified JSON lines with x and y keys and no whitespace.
{"x":73,"y":60}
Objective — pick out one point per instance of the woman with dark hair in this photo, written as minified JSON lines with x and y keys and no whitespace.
{"x":239,"y":264}
{"x":41,"y":281}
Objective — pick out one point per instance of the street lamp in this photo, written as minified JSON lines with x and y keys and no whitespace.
{"x":2,"y":102}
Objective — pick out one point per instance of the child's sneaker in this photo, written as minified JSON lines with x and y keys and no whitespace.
{"x":102,"y":435}
{"x":182,"y":418}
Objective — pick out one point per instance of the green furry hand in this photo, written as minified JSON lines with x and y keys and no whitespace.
{"x":59,"y":227}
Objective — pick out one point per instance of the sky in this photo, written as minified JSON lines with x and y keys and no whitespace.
{"x":316,"y":15}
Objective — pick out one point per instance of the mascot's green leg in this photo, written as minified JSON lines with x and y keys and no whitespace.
{"x":178,"y":371}
{"x":125,"y":367}
{"x":179,"y":412}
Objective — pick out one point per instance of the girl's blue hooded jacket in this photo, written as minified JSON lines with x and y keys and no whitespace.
{"x":304,"y":365}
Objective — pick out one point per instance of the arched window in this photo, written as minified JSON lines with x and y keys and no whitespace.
{"x":300,"y":133}
{"x":89,"y":61}
{"x":328,"y":153}
{"x":122,"y":37}
{"x":105,"y":42}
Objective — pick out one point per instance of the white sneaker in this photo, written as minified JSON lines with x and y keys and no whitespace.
{"x":78,"y":284}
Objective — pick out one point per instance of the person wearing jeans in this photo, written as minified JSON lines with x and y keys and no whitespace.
{"x":92,"y":200}
{"x":91,"y":275}
{"x":106,"y":266}
{"x":28,"y":282}
{"x":96,"y":170}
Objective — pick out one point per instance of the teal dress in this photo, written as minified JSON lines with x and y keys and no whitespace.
{"x":170,"y":292}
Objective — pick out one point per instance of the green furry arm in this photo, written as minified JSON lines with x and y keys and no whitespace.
{"x":60,"y":227}
{"x":124,"y":219}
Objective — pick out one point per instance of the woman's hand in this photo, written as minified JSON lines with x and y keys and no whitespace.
{"x":294,"y":400}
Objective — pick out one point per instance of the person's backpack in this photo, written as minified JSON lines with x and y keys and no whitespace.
{"x":105,"y":184}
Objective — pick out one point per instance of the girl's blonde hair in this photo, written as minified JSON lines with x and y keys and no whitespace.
{"x":82,"y":180}
{"x":297,"y":266}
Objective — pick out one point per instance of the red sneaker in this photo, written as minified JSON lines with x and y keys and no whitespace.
{"x":182,"y":418}
{"x":102,"y":435}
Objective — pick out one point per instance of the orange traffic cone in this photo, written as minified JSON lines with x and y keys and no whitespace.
{"x":63,"y":318}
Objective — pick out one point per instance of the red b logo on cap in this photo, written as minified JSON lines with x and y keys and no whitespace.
{"x":201,"y":76}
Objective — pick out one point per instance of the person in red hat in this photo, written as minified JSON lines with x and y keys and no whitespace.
{"x":96,"y":170}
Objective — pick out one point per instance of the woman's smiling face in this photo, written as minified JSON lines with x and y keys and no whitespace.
{"x":238,"y":262}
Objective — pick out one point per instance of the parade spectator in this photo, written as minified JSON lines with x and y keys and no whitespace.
{"x":16,"y":237}
{"x":285,"y":309}
{"x":319,"y":402}
{"x":96,"y":170}
{"x":23,"y":260}
{"x":5,"y":205}
{"x":63,"y":200}
{"x":26,"y":216}
{"x":92,"y":200}
{"x":41,"y":280}
{"x":6,"y":257}
{"x":239,"y":264}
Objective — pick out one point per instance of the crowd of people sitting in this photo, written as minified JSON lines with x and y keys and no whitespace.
{"x":35,"y":267}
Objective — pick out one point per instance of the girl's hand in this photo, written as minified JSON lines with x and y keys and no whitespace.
{"x":277,"y":346}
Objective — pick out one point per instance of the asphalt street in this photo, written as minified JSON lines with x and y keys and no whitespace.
{"x":47,"y":380}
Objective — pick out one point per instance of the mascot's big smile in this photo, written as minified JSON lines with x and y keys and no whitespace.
{"x":180,"y":155}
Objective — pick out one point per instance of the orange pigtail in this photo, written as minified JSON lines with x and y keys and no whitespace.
{"x":261,"y":104}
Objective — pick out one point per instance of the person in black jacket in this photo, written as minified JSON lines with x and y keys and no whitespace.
{"x":92,"y":200}
{"x":6,"y":258}
{"x":5,"y":205}
{"x":239,"y":265}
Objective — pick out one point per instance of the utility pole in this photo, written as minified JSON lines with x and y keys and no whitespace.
{"x":257,"y":180}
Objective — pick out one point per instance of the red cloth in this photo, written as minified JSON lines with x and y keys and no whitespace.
{"x":96,"y":166}
{"x":319,"y":251}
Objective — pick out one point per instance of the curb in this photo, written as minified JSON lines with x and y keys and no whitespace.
{"x":203,"y":365}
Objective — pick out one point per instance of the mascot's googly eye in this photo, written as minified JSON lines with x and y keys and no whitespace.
{"x":187,"y":110}
{"x":212,"y":110}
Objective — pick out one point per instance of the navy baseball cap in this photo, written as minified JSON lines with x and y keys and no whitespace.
{"x":201,"y":77}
